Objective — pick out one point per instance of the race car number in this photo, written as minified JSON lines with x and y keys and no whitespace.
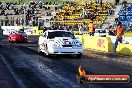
{"x":44,"y":45}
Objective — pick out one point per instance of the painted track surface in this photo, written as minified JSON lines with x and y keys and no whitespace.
{"x":38,"y":71}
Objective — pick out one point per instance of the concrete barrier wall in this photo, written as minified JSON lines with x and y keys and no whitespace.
{"x":104,"y":44}
{"x":96,"y":43}
{"x":125,"y":49}
{"x":128,"y":34}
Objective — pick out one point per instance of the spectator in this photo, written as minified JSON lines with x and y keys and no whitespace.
{"x":91,"y":28}
{"x":44,"y":29}
{"x":115,"y":24}
{"x":16,"y":11}
{"x":100,"y":2}
{"x":21,"y":22}
{"x":12,"y":22}
{"x":119,"y":34}
{"x":81,"y":29}
{"x":3,"y":12}
{"x":30,"y":23}
{"x":117,"y":2}
{"x":124,"y":4}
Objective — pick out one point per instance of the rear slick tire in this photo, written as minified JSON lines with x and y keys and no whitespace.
{"x":79,"y":56}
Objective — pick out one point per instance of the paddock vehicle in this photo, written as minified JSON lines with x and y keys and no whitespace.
{"x":59,"y":42}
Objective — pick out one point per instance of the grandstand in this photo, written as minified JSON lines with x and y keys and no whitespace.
{"x":82,"y":13}
{"x":23,"y":14}
{"x":125,"y":15}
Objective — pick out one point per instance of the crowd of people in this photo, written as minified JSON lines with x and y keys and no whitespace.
{"x":23,"y":14}
{"x":81,"y":14}
{"x":125,"y":14}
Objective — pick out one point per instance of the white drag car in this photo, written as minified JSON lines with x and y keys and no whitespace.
{"x":59,"y":42}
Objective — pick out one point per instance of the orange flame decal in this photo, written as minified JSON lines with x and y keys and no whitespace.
{"x":81,"y":71}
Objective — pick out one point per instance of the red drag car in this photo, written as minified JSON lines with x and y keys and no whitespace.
{"x":18,"y":36}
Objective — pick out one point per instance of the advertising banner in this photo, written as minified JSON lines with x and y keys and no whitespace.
{"x":9,"y":29}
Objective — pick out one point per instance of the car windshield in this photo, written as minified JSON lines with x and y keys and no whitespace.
{"x":20,"y":32}
{"x":54,"y":34}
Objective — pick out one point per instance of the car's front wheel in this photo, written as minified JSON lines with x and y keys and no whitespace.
{"x":10,"y":40}
{"x":39,"y":51}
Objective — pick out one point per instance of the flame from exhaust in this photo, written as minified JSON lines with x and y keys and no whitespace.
{"x":81,"y":71}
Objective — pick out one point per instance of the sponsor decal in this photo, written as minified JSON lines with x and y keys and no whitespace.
{"x":7,"y":29}
{"x":44,"y":45}
{"x":66,"y":42}
{"x":100,"y":43}
{"x":29,"y":30}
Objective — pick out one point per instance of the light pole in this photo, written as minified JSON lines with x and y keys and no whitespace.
{"x":24,"y":14}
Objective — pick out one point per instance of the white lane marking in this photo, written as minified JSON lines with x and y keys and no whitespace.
{"x":17,"y":79}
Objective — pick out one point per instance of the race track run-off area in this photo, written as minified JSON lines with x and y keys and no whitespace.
{"x":32,"y":70}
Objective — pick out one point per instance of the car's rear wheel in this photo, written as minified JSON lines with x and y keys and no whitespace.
{"x":79,"y":55}
{"x":26,"y":41}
